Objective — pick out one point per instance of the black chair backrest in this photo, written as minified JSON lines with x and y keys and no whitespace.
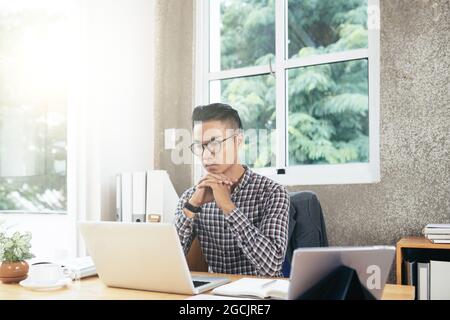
{"x":306,"y":225}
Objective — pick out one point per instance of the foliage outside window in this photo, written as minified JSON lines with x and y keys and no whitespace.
{"x":327,"y":102}
{"x":33,"y":100}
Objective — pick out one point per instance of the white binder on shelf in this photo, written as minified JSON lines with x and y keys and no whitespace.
{"x":127,"y":196}
{"x":162,"y":199}
{"x":423,"y":281}
{"x":439,"y":280}
{"x":139,"y":194}
{"x":118,"y":197}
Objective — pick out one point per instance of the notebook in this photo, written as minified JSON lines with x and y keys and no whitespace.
{"x":436,"y":229}
{"x":84,"y":266}
{"x":255,"y":288}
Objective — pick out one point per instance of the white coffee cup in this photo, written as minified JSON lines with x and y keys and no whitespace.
{"x":47,"y":273}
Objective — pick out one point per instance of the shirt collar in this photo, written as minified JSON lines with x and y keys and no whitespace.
{"x":245,"y":179}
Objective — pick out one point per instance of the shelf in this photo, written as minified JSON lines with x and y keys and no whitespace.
{"x":413,"y":243}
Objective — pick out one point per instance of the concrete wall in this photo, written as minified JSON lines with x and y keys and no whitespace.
{"x":174,"y":78}
{"x":415,"y":123}
{"x":415,"y":126}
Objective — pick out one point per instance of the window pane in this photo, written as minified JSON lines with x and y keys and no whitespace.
{"x":254,"y":98}
{"x":242,"y":33}
{"x":316,"y":27}
{"x":328,"y":113}
{"x":33,"y":99}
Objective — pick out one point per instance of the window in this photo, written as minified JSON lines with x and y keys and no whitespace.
{"x":33,"y":100}
{"x":304,"y":76}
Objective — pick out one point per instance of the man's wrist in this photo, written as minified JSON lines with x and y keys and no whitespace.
{"x":194,"y":203}
{"x":228,"y":207}
{"x":189,"y":214}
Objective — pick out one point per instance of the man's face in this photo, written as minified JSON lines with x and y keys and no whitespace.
{"x":223,"y":154}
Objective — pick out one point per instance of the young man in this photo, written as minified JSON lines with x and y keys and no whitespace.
{"x":240,"y":217}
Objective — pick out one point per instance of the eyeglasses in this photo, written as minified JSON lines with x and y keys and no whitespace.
{"x":213,"y":146}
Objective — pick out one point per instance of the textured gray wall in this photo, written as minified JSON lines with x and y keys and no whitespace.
{"x":174,"y":78}
{"x":415,"y":127}
{"x":415,"y":124}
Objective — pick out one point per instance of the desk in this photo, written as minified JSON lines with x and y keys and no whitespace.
{"x":93,"y":289}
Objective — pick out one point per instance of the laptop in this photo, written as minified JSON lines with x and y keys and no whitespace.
{"x":310,"y":265}
{"x":142,"y":256}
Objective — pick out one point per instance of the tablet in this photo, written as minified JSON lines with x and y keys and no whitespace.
{"x":310,"y":265}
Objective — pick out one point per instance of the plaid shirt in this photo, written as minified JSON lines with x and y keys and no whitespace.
{"x":251,"y":239}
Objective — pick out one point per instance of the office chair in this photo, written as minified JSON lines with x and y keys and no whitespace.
{"x":306,"y":225}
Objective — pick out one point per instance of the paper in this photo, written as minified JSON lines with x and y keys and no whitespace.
{"x":446,"y":226}
{"x":255,"y":287}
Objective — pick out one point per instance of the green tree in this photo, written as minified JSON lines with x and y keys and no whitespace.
{"x":40,"y":106}
{"x":328,"y":104}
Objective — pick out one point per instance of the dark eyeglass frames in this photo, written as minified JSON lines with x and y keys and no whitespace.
{"x":213,"y":146}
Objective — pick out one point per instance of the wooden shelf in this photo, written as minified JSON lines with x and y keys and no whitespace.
{"x":413,"y":243}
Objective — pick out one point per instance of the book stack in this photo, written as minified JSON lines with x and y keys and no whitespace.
{"x":437,"y":233}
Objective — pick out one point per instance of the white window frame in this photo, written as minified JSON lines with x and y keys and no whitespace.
{"x":350,"y":173}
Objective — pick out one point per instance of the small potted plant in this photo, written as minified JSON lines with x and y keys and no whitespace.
{"x":14,"y":251}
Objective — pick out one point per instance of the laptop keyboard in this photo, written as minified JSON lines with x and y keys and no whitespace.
{"x":199,"y":283}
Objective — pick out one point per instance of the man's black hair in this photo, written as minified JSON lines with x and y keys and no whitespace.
{"x":216,"y":111}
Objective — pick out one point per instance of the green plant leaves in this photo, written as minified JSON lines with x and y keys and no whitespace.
{"x":15,"y":248}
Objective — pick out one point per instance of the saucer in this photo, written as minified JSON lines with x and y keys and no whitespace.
{"x":29,"y":284}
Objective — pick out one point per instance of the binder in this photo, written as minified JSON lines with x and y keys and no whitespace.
{"x":161,"y":199}
{"x":118,"y":197}
{"x":139,"y":186}
{"x":409,"y":273}
{"x":127,"y":196}
{"x":155,"y":201}
{"x":146,"y":196}
{"x":439,"y":280}
{"x":423,"y":281}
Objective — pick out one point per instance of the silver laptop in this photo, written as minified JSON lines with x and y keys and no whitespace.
{"x":310,"y":265}
{"x":143,"y":256}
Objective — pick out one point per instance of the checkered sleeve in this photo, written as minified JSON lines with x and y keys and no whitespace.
{"x":185,"y":226}
{"x":265,"y":245}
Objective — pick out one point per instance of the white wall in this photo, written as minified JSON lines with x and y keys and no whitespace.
{"x":120,"y":56}
{"x":110,"y":119}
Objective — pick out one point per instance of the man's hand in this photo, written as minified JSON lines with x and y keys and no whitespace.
{"x":205,"y":195}
{"x":220,"y":186}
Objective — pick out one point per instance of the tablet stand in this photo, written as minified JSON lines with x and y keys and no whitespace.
{"x":340,"y":284}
